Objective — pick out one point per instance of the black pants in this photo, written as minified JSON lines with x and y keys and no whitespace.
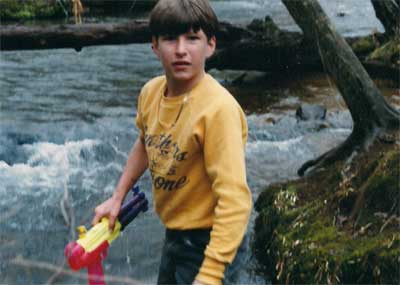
{"x":183,"y":254}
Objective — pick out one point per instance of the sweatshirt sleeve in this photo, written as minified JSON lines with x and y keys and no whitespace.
{"x":224,"y":148}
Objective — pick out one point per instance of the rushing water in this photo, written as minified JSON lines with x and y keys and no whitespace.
{"x":67,"y":124}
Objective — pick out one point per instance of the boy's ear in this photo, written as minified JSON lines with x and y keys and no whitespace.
{"x":212,"y":43}
{"x":154,"y":45}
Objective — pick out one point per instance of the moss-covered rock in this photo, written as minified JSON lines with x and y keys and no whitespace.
{"x":340,"y":225}
{"x":265,"y":27}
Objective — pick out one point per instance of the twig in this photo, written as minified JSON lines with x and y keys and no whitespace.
{"x":388,"y":221}
{"x":62,"y":7}
{"x":58,"y":273}
{"x":69,"y":217}
{"x":133,"y":5}
{"x":20,"y":261}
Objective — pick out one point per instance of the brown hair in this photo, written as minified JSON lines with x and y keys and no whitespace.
{"x":175,"y":17}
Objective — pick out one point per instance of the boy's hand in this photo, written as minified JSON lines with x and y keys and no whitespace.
{"x":195,"y":282}
{"x":110,"y":209}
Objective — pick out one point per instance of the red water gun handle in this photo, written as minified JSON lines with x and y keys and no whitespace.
{"x":96,"y":274}
{"x":78,"y":258}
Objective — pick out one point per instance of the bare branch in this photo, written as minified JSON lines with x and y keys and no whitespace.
{"x":20,"y":261}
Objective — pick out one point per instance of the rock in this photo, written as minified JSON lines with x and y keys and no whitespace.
{"x":341,"y":14}
{"x":12,"y":147}
{"x":263,"y":26}
{"x":307,"y":112}
{"x":250,"y":78}
{"x":270,"y":120}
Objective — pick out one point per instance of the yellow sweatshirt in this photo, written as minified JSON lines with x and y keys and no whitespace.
{"x":195,"y":145}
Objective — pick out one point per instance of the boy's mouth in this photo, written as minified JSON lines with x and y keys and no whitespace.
{"x":180,"y":63}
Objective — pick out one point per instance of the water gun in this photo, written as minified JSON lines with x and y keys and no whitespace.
{"x":91,"y":247}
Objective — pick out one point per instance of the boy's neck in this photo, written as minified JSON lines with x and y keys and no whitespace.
{"x":175,"y":88}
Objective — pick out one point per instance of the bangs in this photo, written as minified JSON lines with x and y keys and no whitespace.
{"x":178,"y":17}
{"x":176,"y":26}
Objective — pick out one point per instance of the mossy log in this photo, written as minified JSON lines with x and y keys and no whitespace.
{"x":305,"y":232}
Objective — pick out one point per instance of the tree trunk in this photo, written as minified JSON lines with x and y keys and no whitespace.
{"x":388,"y":12}
{"x":372,"y":115}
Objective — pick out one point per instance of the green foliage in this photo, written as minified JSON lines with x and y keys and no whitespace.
{"x":364,"y":45}
{"x":387,"y":53}
{"x":29,"y":9}
{"x":306,"y":238}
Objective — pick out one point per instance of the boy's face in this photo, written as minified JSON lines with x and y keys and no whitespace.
{"x":183,"y":57}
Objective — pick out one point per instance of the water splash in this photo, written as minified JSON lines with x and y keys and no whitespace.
{"x":45,"y":167}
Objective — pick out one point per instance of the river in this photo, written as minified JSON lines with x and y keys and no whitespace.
{"x":67,"y":122}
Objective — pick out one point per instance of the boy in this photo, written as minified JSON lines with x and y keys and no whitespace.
{"x":192,"y":139}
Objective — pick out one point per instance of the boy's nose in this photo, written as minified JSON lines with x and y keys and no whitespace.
{"x":180,"y":46}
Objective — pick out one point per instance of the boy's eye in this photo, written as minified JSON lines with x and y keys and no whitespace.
{"x":193,"y":38}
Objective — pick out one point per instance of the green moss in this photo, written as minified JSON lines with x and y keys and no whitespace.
{"x":265,"y":27}
{"x":383,"y":190}
{"x":306,"y":238}
{"x":364,"y":45}
{"x":388,"y":53}
{"x":29,"y":9}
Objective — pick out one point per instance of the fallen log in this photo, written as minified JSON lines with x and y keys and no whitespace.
{"x":294,"y":56}
{"x":259,"y":46}
{"x":273,"y":50}
{"x":79,"y":36}
{"x":72,"y":36}
{"x":117,"y":6}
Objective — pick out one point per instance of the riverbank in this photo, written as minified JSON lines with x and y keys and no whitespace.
{"x":262,"y":92}
{"x":39,"y":10}
{"x":339,"y":225}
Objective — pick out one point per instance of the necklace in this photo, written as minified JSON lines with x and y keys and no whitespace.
{"x":184,"y":101}
{"x":180,"y":109}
